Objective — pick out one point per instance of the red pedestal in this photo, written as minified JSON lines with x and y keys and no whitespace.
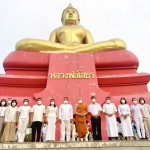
{"x":27,"y":76}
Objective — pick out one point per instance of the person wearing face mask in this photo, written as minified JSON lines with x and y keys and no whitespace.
{"x":137,"y":113}
{"x":146,"y":116}
{"x":52,"y":117}
{"x":2,"y":114}
{"x":9,"y":102}
{"x":95,"y":109}
{"x":10,"y":123}
{"x":65,"y":117}
{"x":81,"y":111}
{"x":23,"y":118}
{"x":109,"y":109}
{"x":37,"y":117}
{"x":124,"y":113}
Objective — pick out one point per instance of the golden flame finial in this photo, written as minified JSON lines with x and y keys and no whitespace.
{"x":70,"y":6}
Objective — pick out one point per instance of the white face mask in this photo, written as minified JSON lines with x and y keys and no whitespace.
{"x":13,"y":104}
{"x":3,"y":103}
{"x":80,"y":101}
{"x":65,"y":102}
{"x":123,"y":101}
{"x":39,"y":102}
{"x":108,"y":101}
{"x":134,"y":102}
{"x":142,"y":101}
{"x":25,"y":103}
{"x":9,"y":102}
{"x":52,"y":103}
{"x":93,"y":100}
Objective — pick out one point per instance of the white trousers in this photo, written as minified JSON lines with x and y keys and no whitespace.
{"x":73,"y":138}
{"x":140,"y":127}
{"x":44,"y":137}
{"x":65,"y":130}
{"x":22,"y":126}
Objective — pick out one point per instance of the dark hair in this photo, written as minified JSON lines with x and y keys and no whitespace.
{"x":2,"y":101}
{"x":13,"y":102}
{"x":133,"y":99}
{"x":38,"y":98}
{"x":51,"y":101}
{"x":25,"y":100}
{"x":122,"y":98}
{"x":107,"y":98}
{"x":141,"y":98}
{"x":87,"y":121}
{"x":93,"y":97}
{"x":118,"y":119}
{"x":65,"y":98}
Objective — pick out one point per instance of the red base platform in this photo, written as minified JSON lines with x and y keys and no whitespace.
{"x":28,"y":75}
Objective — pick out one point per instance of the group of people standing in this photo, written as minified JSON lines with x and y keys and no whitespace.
{"x":139,"y":114}
{"x":37,"y":115}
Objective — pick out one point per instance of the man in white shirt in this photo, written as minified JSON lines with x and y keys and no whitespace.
{"x":95,"y":109}
{"x":137,"y":112}
{"x":65,"y":116}
{"x":146,"y":116}
{"x":37,"y":117}
{"x":109,"y":109}
{"x":23,"y":117}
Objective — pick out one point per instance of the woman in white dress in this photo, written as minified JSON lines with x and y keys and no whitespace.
{"x":124,"y":113}
{"x":52,"y":117}
{"x":109,"y":109}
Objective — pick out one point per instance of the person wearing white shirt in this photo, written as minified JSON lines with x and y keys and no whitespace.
{"x":109,"y":109}
{"x":52,"y":117}
{"x":44,"y":132}
{"x":23,"y":115}
{"x":124,"y":113}
{"x":73,"y":131}
{"x":146,"y":116}
{"x":137,"y":112}
{"x":95,"y":109}
{"x":2,"y":114}
{"x":37,"y":117}
{"x":65,"y":116}
{"x":9,"y":102}
{"x":10,"y":123}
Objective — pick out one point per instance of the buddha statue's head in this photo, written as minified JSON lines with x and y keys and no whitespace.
{"x":70,"y":16}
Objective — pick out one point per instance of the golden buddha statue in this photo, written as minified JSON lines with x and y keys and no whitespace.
{"x":70,"y":38}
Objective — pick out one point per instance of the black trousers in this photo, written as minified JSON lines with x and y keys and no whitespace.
{"x":96,"y":128}
{"x":36,"y":131}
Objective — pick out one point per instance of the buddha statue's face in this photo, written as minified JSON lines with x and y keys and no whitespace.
{"x":70,"y":17}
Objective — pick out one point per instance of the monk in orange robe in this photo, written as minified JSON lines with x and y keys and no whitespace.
{"x":81,"y":111}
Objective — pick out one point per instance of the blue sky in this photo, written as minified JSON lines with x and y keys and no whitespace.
{"x":106,"y":19}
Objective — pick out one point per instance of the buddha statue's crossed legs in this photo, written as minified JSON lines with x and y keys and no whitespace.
{"x":50,"y":47}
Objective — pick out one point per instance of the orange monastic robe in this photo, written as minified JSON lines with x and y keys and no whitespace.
{"x":81,"y":120}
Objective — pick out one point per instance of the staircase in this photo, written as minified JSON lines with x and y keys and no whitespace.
{"x":103,"y":145}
